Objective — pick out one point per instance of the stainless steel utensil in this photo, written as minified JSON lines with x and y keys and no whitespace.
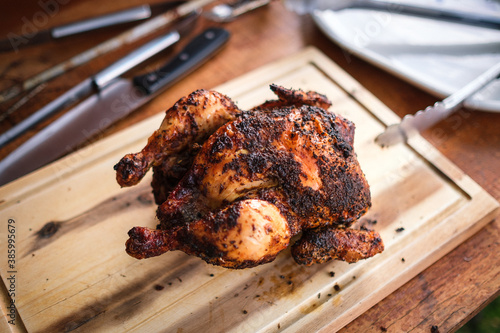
{"x":101,"y":79}
{"x":127,"y":37}
{"x":102,"y":109}
{"x":229,"y":11}
{"x":411,"y":124}
{"x":13,"y":42}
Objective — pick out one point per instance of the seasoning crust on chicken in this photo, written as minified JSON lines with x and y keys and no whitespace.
{"x":251,"y":180}
{"x":186,"y":125}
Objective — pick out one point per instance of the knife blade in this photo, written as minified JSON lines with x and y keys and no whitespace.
{"x":99,"y":111}
{"x":101,"y":79}
{"x":14,"y":42}
{"x":125,"y":38}
{"x":423,"y":119}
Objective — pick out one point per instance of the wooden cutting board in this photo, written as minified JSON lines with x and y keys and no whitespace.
{"x":71,"y":221}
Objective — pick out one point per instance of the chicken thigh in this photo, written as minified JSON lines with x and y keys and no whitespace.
{"x":263,"y":176}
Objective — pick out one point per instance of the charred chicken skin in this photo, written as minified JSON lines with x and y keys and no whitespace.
{"x":251,"y":180}
{"x":186,"y":125}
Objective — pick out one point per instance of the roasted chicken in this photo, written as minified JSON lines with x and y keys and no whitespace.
{"x":234,"y":186}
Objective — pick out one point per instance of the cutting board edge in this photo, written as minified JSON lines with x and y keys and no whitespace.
{"x":66,"y":166}
{"x":312,"y":54}
{"x":5,"y":311}
{"x":492,"y":210}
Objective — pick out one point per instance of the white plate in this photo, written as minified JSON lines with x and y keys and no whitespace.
{"x":438,"y":56}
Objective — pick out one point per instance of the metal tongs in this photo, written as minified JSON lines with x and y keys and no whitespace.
{"x":412,"y":124}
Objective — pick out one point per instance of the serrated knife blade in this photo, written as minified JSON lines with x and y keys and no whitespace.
{"x":423,"y":119}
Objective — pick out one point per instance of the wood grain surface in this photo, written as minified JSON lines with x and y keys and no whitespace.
{"x":72,"y":273}
{"x":447,"y":293}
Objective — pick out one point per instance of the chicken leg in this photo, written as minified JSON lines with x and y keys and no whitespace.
{"x":192,"y":119}
{"x":325,"y":244}
{"x":244,"y":234}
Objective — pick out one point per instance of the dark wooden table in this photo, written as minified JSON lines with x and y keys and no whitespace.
{"x":448,"y":293}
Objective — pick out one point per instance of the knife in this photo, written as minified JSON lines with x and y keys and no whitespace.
{"x":101,"y":79}
{"x":100,"y":110}
{"x":13,"y":41}
{"x":437,"y":10}
{"x":125,"y":38}
{"x":423,"y":119}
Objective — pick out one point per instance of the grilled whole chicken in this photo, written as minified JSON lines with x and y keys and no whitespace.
{"x":251,"y":180}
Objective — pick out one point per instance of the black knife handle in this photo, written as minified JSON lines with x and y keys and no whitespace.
{"x":199,"y":49}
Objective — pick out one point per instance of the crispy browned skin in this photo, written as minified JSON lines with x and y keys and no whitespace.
{"x":299,"y":152}
{"x":171,"y":149}
{"x":167,"y":175}
{"x":244,"y":234}
{"x":322,"y":245}
{"x":192,"y":119}
{"x":284,"y":167}
{"x":288,"y":97}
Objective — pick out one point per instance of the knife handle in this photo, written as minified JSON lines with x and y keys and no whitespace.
{"x":199,"y":49}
